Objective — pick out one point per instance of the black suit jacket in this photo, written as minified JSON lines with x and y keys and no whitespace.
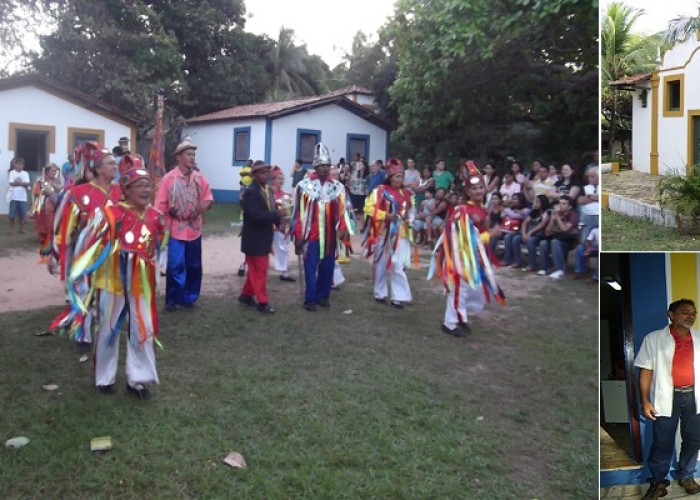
{"x":258,"y":220}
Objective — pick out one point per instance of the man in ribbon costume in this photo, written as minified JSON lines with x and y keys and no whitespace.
{"x":118,"y":249}
{"x":76,"y":207}
{"x":387,"y":238}
{"x":260,"y":215}
{"x":462,"y":261}
{"x":183,"y":196}
{"x":320,"y":219}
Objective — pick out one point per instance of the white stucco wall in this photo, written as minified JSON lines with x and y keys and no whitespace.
{"x":33,"y":106}
{"x":683,"y":59}
{"x":215,"y":141}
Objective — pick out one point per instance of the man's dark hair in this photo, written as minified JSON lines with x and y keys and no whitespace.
{"x":675,"y":305}
{"x":567,"y":198}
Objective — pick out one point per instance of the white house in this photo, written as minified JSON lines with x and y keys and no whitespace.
{"x":42,"y":121}
{"x":345,"y":121}
{"x":666,"y":111}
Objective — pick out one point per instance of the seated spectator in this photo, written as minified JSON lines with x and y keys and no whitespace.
{"x":560,"y":236}
{"x":491,"y":180}
{"x":554,"y":173}
{"x":588,"y":202}
{"x":517,"y":171}
{"x":567,"y":184}
{"x":584,"y":250}
{"x":531,"y":232}
{"x":495,"y":210}
{"x":513,"y":216}
{"x":424,"y":210}
{"x":437,"y":216}
{"x":509,"y":187}
{"x":541,"y":184}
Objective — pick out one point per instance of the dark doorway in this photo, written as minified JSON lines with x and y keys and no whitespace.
{"x":33,"y":146}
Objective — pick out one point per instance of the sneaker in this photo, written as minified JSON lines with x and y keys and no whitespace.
{"x":690,"y":486}
{"x":541,"y":272}
{"x":556,"y":275}
{"x":247,"y":300}
{"x":310,"y":306}
{"x":324,"y":303}
{"x":287,"y":278}
{"x":265,"y":309}
{"x":528,"y":269}
{"x":380,"y":300}
{"x":656,"y":491}
{"x":397,"y":304}
{"x":139,"y":390}
{"x":455,"y":332}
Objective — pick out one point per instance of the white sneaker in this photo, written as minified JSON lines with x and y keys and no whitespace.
{"x":556,"y":275}
{"x":541,"y":272}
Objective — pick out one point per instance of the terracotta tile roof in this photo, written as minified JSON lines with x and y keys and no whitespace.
{"x":281,"y":108}
{"x":49,"y":84}
{"x":631,"y":80}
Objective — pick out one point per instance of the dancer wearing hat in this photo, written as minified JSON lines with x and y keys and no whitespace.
{"x":183,"y":196}
{"x":118,"y":249}
{"x":462,"y":261}
{"x":319,"y":220}
{"x":259,"y":219}
{"x":77,"y":205}
{"x":387,"y":238}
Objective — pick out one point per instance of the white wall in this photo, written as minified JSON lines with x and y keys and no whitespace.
{"x":215,"y":141}
{"x":30,"y":105}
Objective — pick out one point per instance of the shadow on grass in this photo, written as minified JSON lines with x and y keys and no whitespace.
{"x":377,"y":403}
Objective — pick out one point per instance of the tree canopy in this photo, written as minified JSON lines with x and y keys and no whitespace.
{"x":478,"y":78}
{"x":496,"y":78}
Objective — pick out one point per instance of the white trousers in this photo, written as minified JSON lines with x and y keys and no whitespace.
{"x":396,"y":276}
{"x":280,"y":253}
{"x":469,"y":300}
{"x":338,"y":278}
{"x":140,"y":358}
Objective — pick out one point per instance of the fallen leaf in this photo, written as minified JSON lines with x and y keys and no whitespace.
{"x":347,"y":311}
{"x":83,"y":358}
{"x":235,"y":460}
{"x":49,"y":387}
{"x":16,"y":442}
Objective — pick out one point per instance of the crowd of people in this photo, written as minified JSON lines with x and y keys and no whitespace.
{"x":108,"y":239}
{"x":545,"y":213}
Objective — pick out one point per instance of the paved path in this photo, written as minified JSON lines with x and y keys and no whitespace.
{"x":632,"y":184}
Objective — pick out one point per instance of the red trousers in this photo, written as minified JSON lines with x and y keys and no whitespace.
{"x":256,"y":281}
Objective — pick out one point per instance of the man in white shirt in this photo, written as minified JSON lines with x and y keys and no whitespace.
{"x":667,"y":378}
{"x":589,"y":202}
{"x":19,"y":182}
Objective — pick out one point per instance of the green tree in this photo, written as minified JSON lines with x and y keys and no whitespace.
{"x":623,"y":53}
{"x":295,"y":73}
{"x":491,"y":78}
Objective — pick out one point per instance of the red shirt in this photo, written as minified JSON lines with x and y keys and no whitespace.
{"x":683,"y":369}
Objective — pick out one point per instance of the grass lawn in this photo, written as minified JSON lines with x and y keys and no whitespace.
{"x":377,"y":403}
{"x":629,"y":234}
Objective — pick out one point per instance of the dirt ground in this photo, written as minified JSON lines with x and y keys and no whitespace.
{"x":26,"y":284}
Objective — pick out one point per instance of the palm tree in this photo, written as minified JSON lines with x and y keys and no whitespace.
{"x":295,"y":72}
{"x":623,"y":53}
